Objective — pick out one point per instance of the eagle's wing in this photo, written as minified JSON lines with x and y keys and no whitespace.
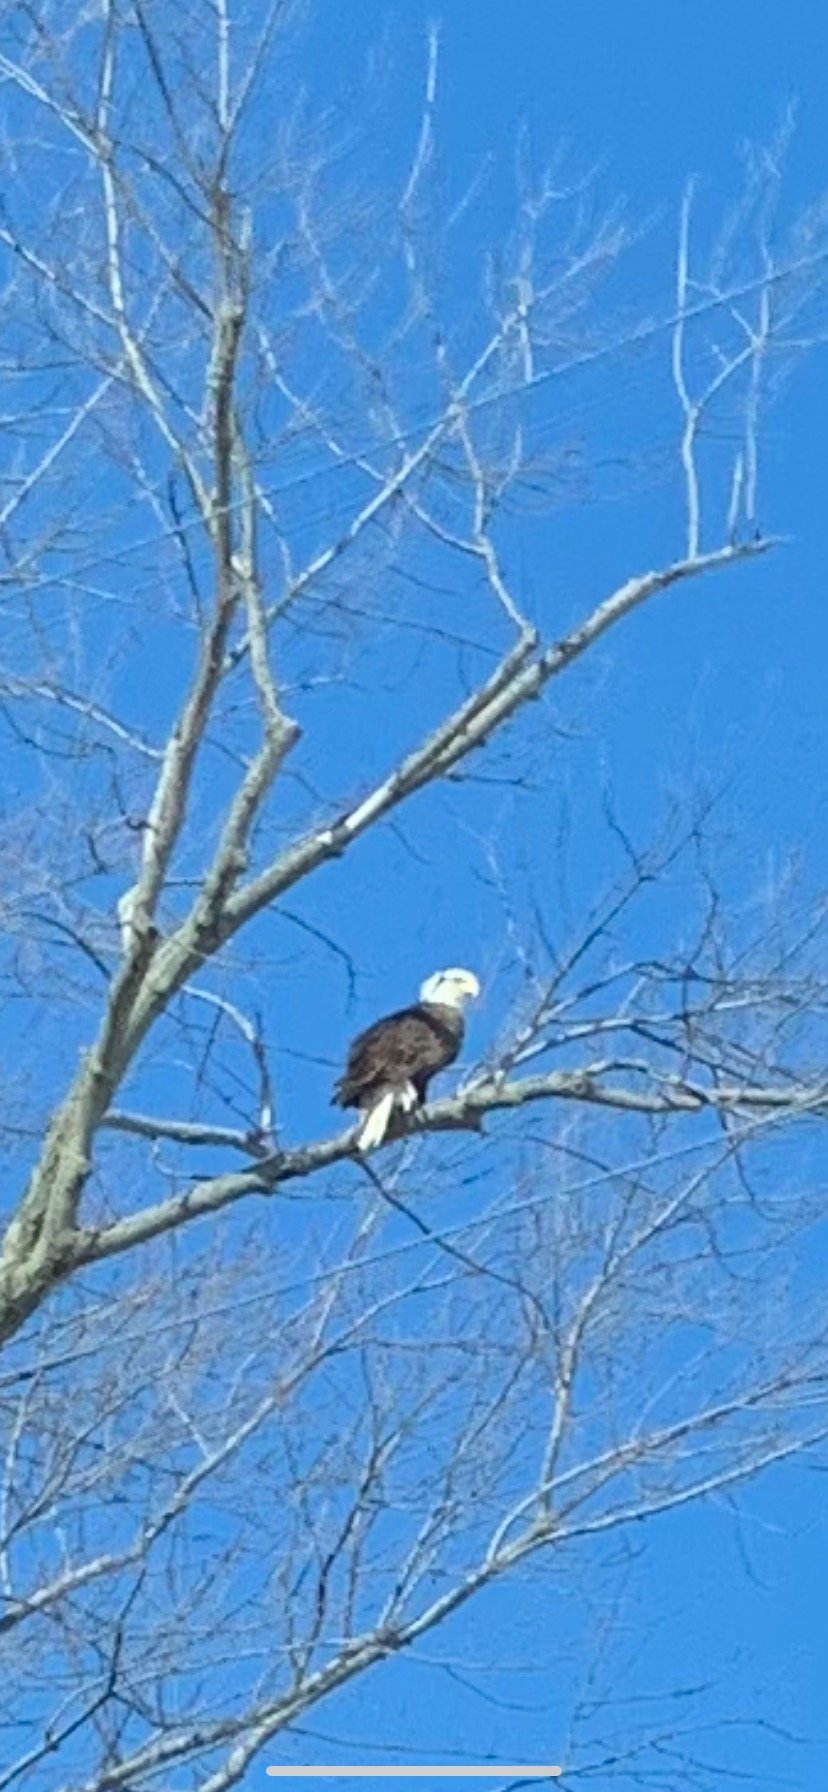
{"x":406,"y":1047}
{"x":380,"y":1051}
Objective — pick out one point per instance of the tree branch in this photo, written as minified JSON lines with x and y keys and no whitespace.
{"x":465,"y":1111}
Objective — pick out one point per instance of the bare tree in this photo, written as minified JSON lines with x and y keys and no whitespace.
{"x":249,"y":459}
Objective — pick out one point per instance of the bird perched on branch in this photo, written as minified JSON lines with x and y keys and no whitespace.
{"x":391,"y":1064}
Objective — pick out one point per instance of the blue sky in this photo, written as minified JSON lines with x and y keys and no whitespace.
{"x":724,"y":683}
{"x":720,"y":684}
{"x":720,"y":687}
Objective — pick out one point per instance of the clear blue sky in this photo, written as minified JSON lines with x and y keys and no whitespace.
{"x":723,"y":683}
{"x":728,"y":682}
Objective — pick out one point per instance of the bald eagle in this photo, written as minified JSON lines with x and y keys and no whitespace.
{"x":391,"y":1064}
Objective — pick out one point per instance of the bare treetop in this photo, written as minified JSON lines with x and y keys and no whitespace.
{"x":274,"y":1414}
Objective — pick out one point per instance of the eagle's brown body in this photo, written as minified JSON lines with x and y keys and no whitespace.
{"x":391,"y":1064}
{"x":406,"y":1048}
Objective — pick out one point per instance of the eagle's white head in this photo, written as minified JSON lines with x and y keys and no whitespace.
{"x":452,"y":989}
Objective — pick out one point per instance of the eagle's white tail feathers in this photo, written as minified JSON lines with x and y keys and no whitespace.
{"x":378,"y":1118}
{"x":376,"y":1122}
